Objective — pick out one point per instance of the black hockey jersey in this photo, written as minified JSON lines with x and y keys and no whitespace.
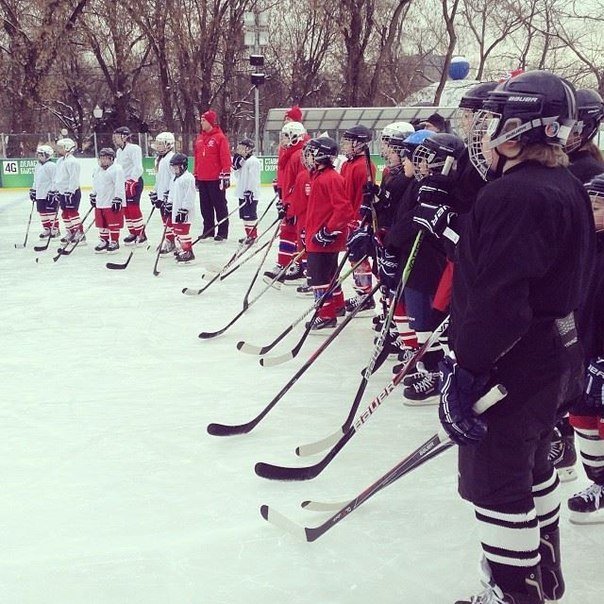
{"x":525,"y":258}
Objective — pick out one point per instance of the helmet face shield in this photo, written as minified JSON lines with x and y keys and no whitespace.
{"x":480,"y":148}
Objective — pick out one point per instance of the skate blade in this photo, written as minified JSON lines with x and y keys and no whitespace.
{"x":567,"y":474}
{"x":596,"y":517}
{"x":430,"y":401}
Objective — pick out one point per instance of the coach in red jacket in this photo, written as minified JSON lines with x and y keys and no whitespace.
{"x":212,"y":171}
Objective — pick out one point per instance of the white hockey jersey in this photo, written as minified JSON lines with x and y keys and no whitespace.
{"x":164,"y":175}
{"x":131,"y":160}
{"x":44,"y":175}
{"x":108,"y":184}
{"x":183,"y":195}
{"x":67,"y":175}
{"x":248,"y":177}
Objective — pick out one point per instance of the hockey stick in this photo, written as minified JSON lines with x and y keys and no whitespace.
{"x":158,"y":255}
{"x":377,"y":358}
{"x":221,"y":274}
{"x":262,"y":350}
{"x":275,"y":472}
{"x":65,"y":250}
{"x":43,"y":248}
{"x":206,"y":335}
{"x":221,"y":221}
{"x":120,"y":266}
{"x":275,"y":281}
{"x":283,"y":358}
{"x":431,"y":448}
{"x":229,"y":430}
{"x":20,"y":246}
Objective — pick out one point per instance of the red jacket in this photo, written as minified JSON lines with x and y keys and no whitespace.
{"x":354,"y":172}
{"x":212,"y":155}
{"x":299,"y":200}
{"x":290,"y":173}
{"x":328,"y":207}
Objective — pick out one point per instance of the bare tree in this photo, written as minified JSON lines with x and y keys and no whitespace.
{"x":449,"y":12}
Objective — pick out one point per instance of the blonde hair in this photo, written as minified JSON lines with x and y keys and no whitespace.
{"x":551,"y":156}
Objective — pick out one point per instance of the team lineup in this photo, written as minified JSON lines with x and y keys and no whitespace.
{"x":478,"y":257}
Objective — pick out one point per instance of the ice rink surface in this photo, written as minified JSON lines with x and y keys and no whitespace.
{"x":112,"y":492}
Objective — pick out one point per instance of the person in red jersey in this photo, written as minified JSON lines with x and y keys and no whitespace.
{"x":212,"y":171}
{"x":328,"y":213}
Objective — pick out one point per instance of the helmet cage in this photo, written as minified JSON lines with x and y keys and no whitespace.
{"x":427,"y":160}
{"x":322,"y":153}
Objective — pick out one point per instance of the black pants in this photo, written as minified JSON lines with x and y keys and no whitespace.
{"x":213,"y":205}
{"x":500,"y":469}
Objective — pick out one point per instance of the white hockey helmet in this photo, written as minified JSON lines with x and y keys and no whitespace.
{"x":164,"y":141}
{"x":67,"y":144}
{"x":292,"y":133}
{"x":396,"y":129}
{"x":45,"y":150}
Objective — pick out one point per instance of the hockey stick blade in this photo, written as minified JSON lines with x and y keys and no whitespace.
{"x":320,"y":445}
{"x":275,"y":472}
{"x":19,"y":246}
{"x":323,"y":506}
{"x":117,"y":266}
{"x":273,"y":361}
{"x":216,"y":429}
{"x":284,"y":523}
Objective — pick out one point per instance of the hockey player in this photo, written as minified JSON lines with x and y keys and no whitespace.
{"x":293,"y":137}
{"x":212,"y":170}
{"x":66,"y":186}
{"x":587,"y":414}
{"x":328,"y":214}
{"x":181,"y":202}
{"x":246,"y":167}
{"x":291,"y":115}
{"x":522,"y":264}
{"x":585,"y":162}
{"x":130,"y":156}
{"x":46,"y":204}
{"x":586,"y":159}
{"x":359,"y":176}
{"x":107,"y":198}
{"x":164,"y":148}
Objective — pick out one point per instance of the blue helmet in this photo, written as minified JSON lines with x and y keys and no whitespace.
{"x":415,"y":139}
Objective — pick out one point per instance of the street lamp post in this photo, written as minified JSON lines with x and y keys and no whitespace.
{"x":97,"y":113}
{"x":256,"y":36}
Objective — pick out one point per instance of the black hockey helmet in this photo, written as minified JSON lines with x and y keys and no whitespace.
{"x":180,"y":160}
{"x":533,"y":107}
{"x":107,"y":152}
{"x":123,"y":130}
{"x":358,"y":134}
{"x":596,"y":186}
{"x":432,"y":155}
{"x":590,"y":113}
{"x":324,"y":150}
{"x":474,"y":97}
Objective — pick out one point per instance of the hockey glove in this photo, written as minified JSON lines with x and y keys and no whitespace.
{"x":224,"y":181}
{"x":360,"y":243}
{"x":436,"y":220}
{"x":238,"y":161}
{"x":154,"y":199}
{"x":167,"y":206}
{"x":592,"y":403}
{"x":435,"y":190}
{"x":131,"y":189}
{"x":248,"y":198}
{"x":93,"y":199}
{"x":181,"y":216}
{"x":276,"y":188}
{"x":387,"y":269}
{"x":281,"y":208}
{"x":32,"y":195}
{"x":116,"y":204}
{"x":459,"y":390}
{"x":325,"y":237}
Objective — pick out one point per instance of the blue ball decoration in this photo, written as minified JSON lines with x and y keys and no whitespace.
{"x":459,"y":68}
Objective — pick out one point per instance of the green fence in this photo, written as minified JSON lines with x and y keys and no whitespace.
{"x":19,"y":173}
